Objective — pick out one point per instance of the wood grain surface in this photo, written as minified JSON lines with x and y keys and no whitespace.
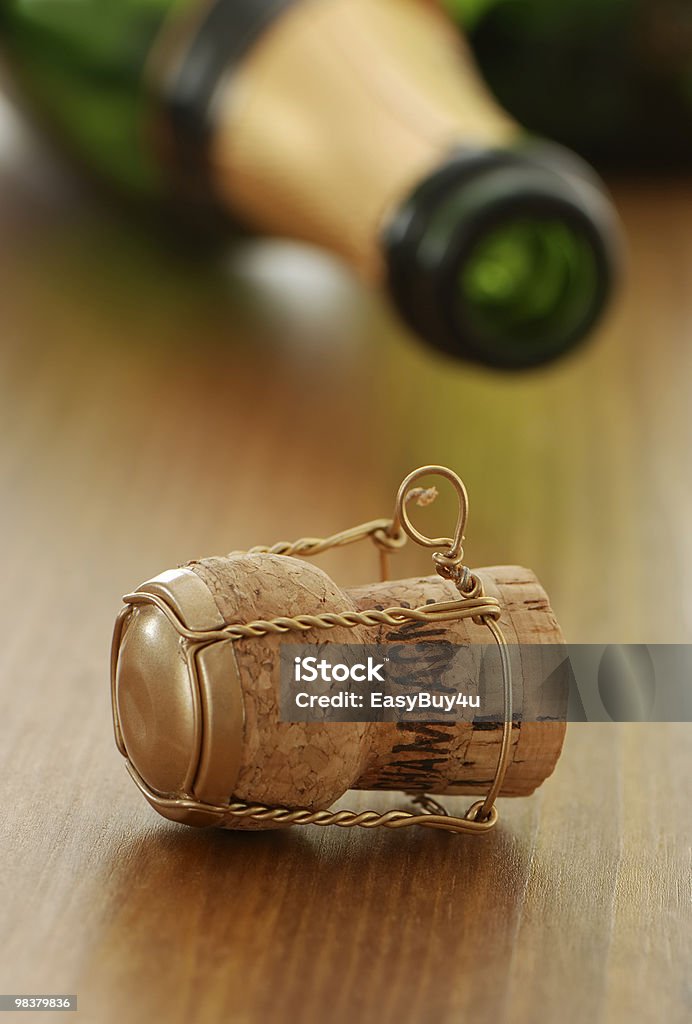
{"x":154,"y":410}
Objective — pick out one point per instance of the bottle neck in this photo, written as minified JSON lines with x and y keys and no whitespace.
{"x":362,"y":126}
{"x":394,"y":73}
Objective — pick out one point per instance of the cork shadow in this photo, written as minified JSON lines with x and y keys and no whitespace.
{"x":304,"y":914}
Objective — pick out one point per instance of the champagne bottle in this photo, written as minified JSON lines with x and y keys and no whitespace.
{"x":358,"y":125}
{"x":610,"y":78}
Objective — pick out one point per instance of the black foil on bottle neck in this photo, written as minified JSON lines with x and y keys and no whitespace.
{"x":220,"y":43}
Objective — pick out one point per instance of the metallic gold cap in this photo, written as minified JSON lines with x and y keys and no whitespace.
{"x":176,"y":695}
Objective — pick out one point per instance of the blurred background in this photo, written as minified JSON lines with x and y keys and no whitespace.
{"x":163,"y":399}
{"x":611,"y":79}
{"x":225,"y":394}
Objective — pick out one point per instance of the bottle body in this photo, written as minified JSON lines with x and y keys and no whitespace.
{"x":79,"y":66}
{"x":357,"y":125}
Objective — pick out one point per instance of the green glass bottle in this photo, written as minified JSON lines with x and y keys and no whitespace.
{"x":610,"y":78}
{"x":358,"y":125}
{"x":80,"y":65}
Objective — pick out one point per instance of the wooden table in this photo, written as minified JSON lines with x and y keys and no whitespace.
{"x":153,"y":410}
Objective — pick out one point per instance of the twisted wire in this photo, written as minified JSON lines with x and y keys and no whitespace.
{"x":387,"y":534}
{"x":474,"y":822}
{"x":381,"y":531}
{"x":261,"y":813}
{"x":485,"y":607}
{"x":480,"y":608}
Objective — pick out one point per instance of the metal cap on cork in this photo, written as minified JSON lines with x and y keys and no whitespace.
{"x":177,"y":704}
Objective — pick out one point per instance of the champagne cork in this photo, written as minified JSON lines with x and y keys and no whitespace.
{"x":197,"y":713}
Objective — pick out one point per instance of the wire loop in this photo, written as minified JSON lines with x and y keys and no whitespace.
{"x":454,"y":544}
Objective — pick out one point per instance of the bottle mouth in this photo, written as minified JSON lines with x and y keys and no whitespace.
{"x":504,"y":258}
{"x":529,"y":289}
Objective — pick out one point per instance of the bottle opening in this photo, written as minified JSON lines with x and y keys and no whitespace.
{"x":504,"y":257}
{"x":528,"y":284}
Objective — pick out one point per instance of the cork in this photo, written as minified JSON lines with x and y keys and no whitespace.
{"x":284,"y":763}
{"x":461,"y":758}
{"x":313,"y":764}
